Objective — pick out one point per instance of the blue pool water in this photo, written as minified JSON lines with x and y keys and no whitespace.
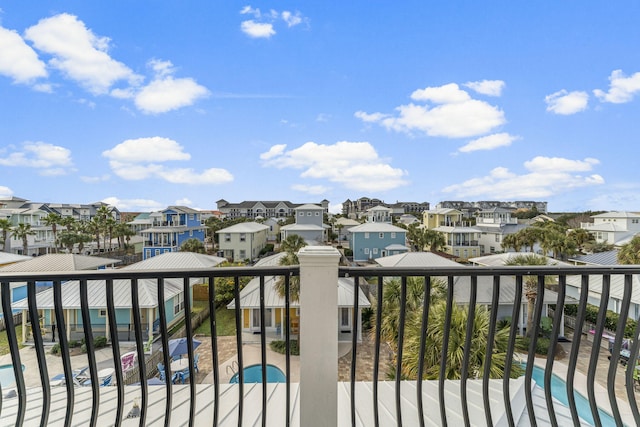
{"x":253,"y":374}
{"x":7,"y":379}
{"x":559,"y":391}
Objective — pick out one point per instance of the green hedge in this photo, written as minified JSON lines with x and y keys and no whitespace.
{"x":611,"y":321}
{"x":280,"y":347}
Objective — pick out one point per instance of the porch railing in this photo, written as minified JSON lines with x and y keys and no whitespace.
{"x":318,"y":392}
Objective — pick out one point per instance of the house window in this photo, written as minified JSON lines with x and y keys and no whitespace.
{"x":498,"y":238}
{"x":157,"y":252}
{"x":227,"y":237}
{"x":102,"y":312}
{"x":317,"y":213}
{"x":242,"y":254}
{"x":393,"y":235}
{"x":366,"y":251}
{"x":308,"y":213}
{"x":243,"y":237}
{"x":190,"y":233}
{"x":345,"y":318}
{"x":191,"y":216}
{"x":366,"y":235}
{"x":301,"y":213}
{"x":375,"y":251}
{"x":178,"y":303}
{"x":381,"y":235}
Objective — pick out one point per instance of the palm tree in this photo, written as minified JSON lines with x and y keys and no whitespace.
{"x":23,"y":231}
{"x":455,"y":345}
{"x":123,"y":233}
{"x":192,"y":245}
{"x":512,"y":241}
{"x":629,"y":253}
{"x":53,"y":220}
{"x":5,"y":227}
{"x":530,"y":282}
{"x":291,"y":246}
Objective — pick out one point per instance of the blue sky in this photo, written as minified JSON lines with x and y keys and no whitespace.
{"x":147,"y":104}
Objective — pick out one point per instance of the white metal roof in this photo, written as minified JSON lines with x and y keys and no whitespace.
{"x":176,"y":260}
{"x":244,"y":227}
{"x":416,"y":259}
{"x":60,"y":262}
{"x":376,"y":227}
{"x":250,"y":295}
{"x":497,"y":260}
{"x":9,"y":258}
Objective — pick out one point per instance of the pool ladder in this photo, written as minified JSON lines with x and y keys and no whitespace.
{"x":234,"y":368}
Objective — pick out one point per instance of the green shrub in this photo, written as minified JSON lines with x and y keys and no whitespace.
{"x":280,"y":347}
{"x":348,"y":252}
{"x":74,"y":344}
{"x":99,"y":342}
{"x":83,"y":348}
{"x":55,"y":349}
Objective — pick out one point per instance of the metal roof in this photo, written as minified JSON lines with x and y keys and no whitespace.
{"x":60,"y":262}
{"x":497,"y":260}
{"x":176,"y":260}
{"x":244,"y":227}
{"x":250,"y":295}
{"x":600,"y":258}
{"x":376,"y":227}
{"x":416,"y":259}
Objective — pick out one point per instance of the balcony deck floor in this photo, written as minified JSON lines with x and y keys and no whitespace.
{"x":276,"y":406}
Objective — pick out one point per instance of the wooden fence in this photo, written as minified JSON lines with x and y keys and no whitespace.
{"x":17,"y":320}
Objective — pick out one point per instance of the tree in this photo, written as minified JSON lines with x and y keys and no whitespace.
{"x":512,"y":241}
{"x":53,"y":220}
{"x":123,"y":233}
{"x":581,"y":237}
{"x":530,"y":282}
{"x":434,"y":342}
{"x":23,"y":231}
{"x":629,"y":253}
{"x":192,"y":245}
{"x":5,"y":227}
{"x":290,"y":246}
{"x":421,"y":238}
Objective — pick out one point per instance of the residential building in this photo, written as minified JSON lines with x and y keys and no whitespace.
{"x":309,"y":224}
{"x":263,"y":209}
{"x":379,"y":214}
{"x":170,"y":229}
{"x":357,"y":208}
{"x":469,"y":209}
{"x":242,"y":241}
{"x":342,"y":225}
{"x":173,"y":289}
{"x":373,"y":240}
{"x":462,"y":240}
{"x":495,"y":224}
{"x":613,"y":228}
{"x":274,"y":304}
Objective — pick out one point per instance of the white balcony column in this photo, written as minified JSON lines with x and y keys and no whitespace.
{"x":318,"y":338}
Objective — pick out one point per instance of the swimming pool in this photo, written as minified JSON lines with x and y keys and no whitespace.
{"x":559,"y":391}
{"x":253,"y":374}
{"x":7,"y":379}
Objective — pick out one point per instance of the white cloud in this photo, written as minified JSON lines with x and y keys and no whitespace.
{"x":169,"y":94}
{"x":95,"y":179}
{"x":184,"y":202}
{"x":545,"y":177}
{"x":489,"y":142}
{"x":5,"y":192}
{"x":370,"y":118}
{"x":292,"y":19}
{"x":447,"y":94}
{"x":455,"y":115}
{"x":49,"y":159}
{"x":17,"y":60}
{"x":274,"y":151}
{"x":313,"y":190}
{"x":487,"y":87}
{"x":134,"y":205}
{"x":257,"y":29}
{"x":621,"y":88}
{"x":138,"y":159}
{"x":355,"y":165}
{"x":566,"y":103}
{"x":154,"y":149}
{"x":79,"y":53}
{"x":262,"y":24}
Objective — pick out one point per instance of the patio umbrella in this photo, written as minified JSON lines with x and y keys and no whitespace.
{"x":178,"y":346}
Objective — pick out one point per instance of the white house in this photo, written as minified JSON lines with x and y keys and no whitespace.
{"x":242,"y":241}
{"x":613,"y":228}
{"x":309,"y":224}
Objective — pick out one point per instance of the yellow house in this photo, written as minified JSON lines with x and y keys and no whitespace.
{"x":462,"y":239}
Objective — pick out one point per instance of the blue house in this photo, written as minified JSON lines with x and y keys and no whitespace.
{"x":170,"y":229}
{"x":373,"y":240}
{"x":173,"y":304}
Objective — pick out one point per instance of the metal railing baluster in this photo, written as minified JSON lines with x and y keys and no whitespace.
{"x":486,"y":374}
{"x":88,"y":342}
{"x":464,"y":374}
{"x":426,"y":302}
{"x":39,"y":347}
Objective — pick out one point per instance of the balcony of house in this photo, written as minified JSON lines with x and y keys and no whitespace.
{"x":437,"y":348}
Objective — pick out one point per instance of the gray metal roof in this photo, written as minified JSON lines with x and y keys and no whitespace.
{"x":497,"y":260}
{"x":8,"y":258}
{"x":376,"y":227}
{"x":60,"y":262}
{"x":601,"y":258}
